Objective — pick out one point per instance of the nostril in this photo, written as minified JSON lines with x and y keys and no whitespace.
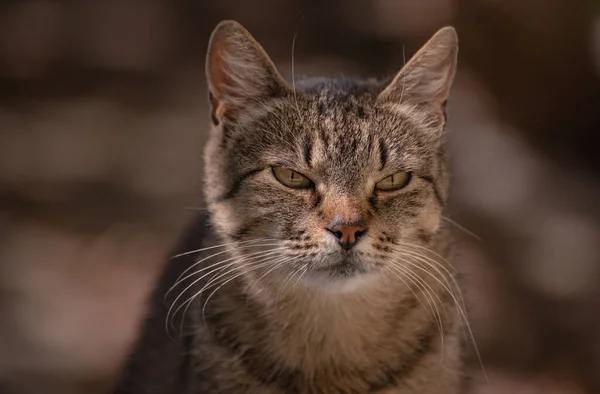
{"x":359,"y":233}
{"x":338,"y":234}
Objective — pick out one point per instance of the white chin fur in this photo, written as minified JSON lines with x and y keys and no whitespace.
{"x":330,"y":284}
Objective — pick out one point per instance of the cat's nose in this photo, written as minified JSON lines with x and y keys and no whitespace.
{"x":349,"y":234}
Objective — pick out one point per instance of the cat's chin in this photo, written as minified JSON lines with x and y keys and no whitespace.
{"x":332,"y":283}
{"x":341,"y":273}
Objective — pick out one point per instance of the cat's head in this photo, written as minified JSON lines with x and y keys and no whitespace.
{"x":337,"y":179}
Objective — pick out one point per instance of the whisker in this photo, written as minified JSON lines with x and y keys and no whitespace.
{"x":214,"y":291}
{"x":294,"y":72}
{"x":437,"y":266}
{"x":267,"y":259}
{"x":464,"y":229}
{"x":255,"y":265}
{"x":444,"y":285}
{"x":459,"y":307}
{"x":216,"y":271}
{"x":283,"y":283}
{"x":431,"y":263}
{"x":304,"y":271}
{"x":233,"y":261}
{"x":180,"y":279}
{"x":389,"y":284}
{"x":401,"y":275}
{"x":431,"y":293}
{"x":221,"y":246}
{"x":280,"y":264}
{"x":433,"y":252}
{"x":227,"y":281}
{"x":403,"y":74}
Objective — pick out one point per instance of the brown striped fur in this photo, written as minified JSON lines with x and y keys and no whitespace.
{"x":314,"y":318}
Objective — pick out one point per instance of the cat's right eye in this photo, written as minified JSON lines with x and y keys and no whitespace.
{"x":291,"y":178}
{"x":394,"y":182}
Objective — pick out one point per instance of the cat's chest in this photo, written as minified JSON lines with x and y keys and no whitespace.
{"x":355,"y":349}
{"x":248,"y":372}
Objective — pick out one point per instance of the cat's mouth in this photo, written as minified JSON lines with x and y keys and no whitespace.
{"x":344,"y":266}
{"x":343,"y":272}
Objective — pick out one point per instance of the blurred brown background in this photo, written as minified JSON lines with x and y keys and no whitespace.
{"x":102,"y":120}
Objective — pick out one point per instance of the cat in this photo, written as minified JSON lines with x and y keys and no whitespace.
{"x":321,"y":266}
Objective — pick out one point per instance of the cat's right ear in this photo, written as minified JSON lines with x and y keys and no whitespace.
{"x":239,"y":72}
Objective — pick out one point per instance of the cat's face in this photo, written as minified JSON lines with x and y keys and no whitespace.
{"x":336,"y":179}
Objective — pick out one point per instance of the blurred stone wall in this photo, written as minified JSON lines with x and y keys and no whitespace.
{"x":102,"y":123}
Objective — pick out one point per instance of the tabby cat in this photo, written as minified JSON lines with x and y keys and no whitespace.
{"x":323,"y":267}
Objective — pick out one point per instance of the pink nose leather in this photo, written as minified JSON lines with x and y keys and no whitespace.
{"x":347,"y":235}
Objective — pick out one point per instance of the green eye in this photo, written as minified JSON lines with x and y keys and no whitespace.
{"x":394,"y":182}
{"x":291,"y":178}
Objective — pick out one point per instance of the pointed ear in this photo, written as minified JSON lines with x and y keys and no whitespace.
{"x":239,"y":72}
{"x":427,"y":77}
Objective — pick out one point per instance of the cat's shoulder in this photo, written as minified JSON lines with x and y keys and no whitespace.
{"x":157,"y":362}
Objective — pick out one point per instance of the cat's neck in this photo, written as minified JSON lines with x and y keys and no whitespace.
{"x":317,"y":326}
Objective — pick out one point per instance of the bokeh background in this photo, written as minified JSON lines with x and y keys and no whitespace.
{"x":103,"y":116}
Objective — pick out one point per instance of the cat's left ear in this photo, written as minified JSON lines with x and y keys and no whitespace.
{"x":427,"y":77}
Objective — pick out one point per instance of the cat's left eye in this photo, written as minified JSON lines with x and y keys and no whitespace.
{"x":291,"y":178}
{"x":394,"y":182}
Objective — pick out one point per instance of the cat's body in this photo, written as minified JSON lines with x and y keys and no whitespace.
{"x":327,"y":199}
